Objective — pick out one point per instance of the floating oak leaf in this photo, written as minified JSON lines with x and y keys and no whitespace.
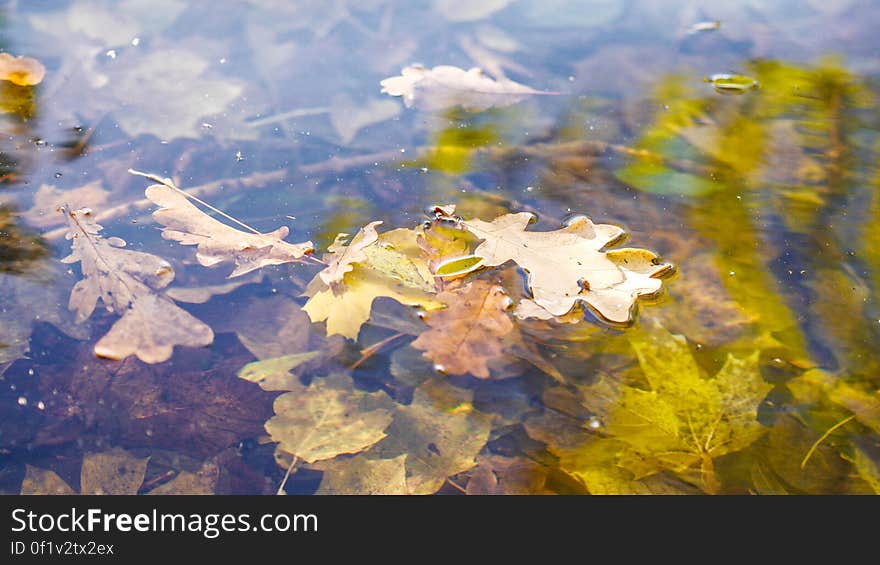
{"x":393,"y":268}
{"x":446,"y":86}
{"x":682,"y":419}
{"x":471,"y":332}
{"x":128,"y":282}
{"x":216,"y":241}
{"x":360,"y":475}
{"x":22,"y":71}
{"x":326,"y":419}
{"x":440,"y":432}
{"x":339,"y":260}
{"x":568,"y":265}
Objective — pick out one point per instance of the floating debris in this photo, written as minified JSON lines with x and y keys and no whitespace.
{"x":731,"y":84}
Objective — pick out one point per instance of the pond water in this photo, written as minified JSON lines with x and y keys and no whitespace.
{"x":735,"y":144}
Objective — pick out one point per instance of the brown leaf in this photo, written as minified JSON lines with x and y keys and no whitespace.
{"x":127,"y":282}
{"x":446,"y":86}
{"x":506,"y":475}
{"x":470,"y":332}
{"x":216,"y":241}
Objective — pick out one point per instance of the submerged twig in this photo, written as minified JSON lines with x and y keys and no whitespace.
{"x":830,"y":430}
{"x":368,"y":352}
{"x":338,"y":164}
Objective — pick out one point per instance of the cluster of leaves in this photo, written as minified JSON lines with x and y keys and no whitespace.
{"x":565,"y":267}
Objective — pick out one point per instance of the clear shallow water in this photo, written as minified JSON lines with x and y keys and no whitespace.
{"x":766,"y":202}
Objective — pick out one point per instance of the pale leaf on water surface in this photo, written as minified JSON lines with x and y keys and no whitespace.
{"x":446,"y":86}
{"x":570,"y":264}
{"x":217,"y":242}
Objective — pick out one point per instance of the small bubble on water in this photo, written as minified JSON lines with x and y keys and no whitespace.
{"x":58,"y":175}
{"x":136,"y":41}
{"x":594,"y":423}
{"x":111,"y":53}
{"x":22,"y":401}
{"x":40,"y":405}
{"x":30,"y":372}
{"x":732,"y":273}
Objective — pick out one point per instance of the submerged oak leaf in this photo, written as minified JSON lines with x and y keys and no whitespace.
{"x":446,"y":86}
{"x":128,"y":283}
{"x":471,"y":332}
{"x":217,"y":242}
{"x":682,"y":419}
{"x":568,"y":265}
{"x":392,"y":268}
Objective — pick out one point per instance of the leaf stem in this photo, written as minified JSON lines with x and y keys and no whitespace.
{"x":293,"y":463}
